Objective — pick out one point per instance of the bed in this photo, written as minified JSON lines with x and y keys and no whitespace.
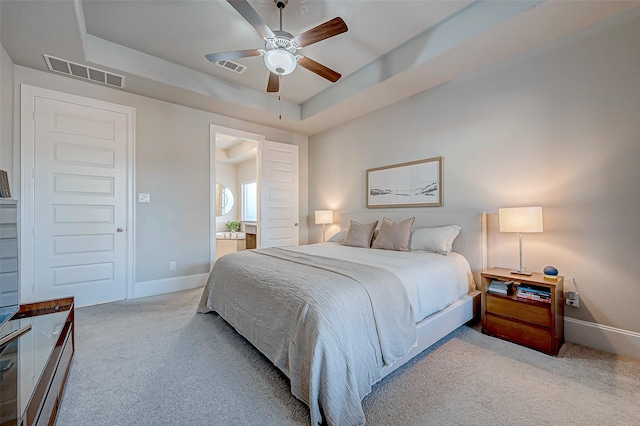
{"x":336,"y":318}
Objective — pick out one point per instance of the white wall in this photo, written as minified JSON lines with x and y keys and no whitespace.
{"x":557,"y":128}
{"x":6,"y":116}
{"x":172,"y":164}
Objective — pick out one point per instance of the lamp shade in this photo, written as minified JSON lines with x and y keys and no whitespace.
{"x":520,"y":219}
{"x":280,"y":61}
{"x":324,"y":217}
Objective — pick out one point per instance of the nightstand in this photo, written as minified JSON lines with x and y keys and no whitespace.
{"x":535,"y":324}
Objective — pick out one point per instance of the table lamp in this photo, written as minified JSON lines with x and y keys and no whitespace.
{"x":520,"y":220}
{"x":322,"y":218}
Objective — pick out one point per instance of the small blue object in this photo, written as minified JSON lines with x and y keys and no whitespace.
{"x":550,"y":272}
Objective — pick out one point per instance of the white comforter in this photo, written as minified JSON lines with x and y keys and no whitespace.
{"x":432,"y":281}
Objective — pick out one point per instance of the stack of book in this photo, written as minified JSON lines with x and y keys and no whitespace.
{"x":500,"y":287}
{"x":533,"y":292}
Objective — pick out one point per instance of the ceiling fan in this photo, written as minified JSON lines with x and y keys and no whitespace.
{"x":280,"y":47}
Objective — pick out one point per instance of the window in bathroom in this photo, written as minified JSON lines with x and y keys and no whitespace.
{"x":250,"y":201}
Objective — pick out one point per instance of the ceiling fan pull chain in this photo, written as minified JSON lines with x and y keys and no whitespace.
{"x":279,"y":100}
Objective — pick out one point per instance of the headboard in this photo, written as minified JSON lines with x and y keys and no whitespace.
{"x":471,"y":243}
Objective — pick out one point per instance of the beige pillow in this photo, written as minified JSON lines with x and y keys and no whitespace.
{"x":394,"y":236}
{"x":359,"y":235}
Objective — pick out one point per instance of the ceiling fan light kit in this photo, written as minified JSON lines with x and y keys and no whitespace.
{"x":280,"y":47}
{"x":280,"y":61}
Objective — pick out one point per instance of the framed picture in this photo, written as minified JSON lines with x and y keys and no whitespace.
{"x":413,"y":184}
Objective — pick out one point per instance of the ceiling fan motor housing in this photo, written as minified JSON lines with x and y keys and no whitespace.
{"x":282,"y":40}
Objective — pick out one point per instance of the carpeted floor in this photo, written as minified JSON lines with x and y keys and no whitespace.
{"x":154,"y":361}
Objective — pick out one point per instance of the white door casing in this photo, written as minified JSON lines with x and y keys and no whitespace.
{"x":77,"y":191}
{"x":278,"y":189}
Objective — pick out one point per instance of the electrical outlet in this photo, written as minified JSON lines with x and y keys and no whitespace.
{"x":572,"y":298}
{"x":172,"y":265}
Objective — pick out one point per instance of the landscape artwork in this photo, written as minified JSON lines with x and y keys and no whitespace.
{"x":413,"y":184}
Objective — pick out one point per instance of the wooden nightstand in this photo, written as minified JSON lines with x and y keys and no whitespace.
{"x":531,"y":323}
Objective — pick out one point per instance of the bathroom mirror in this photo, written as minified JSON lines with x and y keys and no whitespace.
{"x":224,"y":200}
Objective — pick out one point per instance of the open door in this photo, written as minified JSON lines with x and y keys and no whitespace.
{"x":279,"y":206}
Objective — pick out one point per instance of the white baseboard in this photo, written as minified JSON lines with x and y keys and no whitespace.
{"x":609,"y":339}
{"x":168,"y":285}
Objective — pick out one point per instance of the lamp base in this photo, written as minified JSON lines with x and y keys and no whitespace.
{"x":528,"y":274}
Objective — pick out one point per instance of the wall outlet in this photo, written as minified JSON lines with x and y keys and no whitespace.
{"x":572,"y":298}
{"x":144,"y":197}
{"x":172,"y":265}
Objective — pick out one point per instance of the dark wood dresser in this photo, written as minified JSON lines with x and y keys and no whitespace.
{"x":37,"y":362}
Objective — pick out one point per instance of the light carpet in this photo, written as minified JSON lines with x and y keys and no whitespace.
{"x":154,"y":361}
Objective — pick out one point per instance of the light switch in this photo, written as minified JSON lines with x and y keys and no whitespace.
{"x":144,"y":198}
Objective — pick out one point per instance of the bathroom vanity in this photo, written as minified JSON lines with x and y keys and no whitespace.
{"x":230,"y":242}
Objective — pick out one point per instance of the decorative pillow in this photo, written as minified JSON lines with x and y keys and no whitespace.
{"x":339,"y":237}
{"x":394,"y":236}
{"x":360,"y":235}
{"x":437,"y":240}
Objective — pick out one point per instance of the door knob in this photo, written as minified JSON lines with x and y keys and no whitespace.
{"x":119,"y":229}
{"x":295,"y":224}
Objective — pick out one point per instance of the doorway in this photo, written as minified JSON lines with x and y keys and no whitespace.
{"x":277,"y":186}
{"x":235,"y":187}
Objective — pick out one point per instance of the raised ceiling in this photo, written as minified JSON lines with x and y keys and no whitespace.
{"x":393,"y":49}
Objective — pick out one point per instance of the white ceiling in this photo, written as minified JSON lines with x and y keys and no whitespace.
{"x":393,"y":49}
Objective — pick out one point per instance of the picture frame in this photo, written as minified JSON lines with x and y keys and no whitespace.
{"x":413,"y":184}
{"x":5,"y":191}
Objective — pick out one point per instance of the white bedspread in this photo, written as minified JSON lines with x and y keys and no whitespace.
{"x":332,"y":322}
{"x":331,"y":325}
{"x":432,"y":281}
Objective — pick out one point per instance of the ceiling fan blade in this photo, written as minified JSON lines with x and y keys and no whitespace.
{"x":319,"y":69}
{"x":273,"y":86}
{"x":249,"y":13}
{"x":235,"y":54}
{"x":323,"y":31}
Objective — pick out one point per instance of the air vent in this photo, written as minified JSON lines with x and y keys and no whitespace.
{"x":232,"y":66}
{"x":84,"y":72}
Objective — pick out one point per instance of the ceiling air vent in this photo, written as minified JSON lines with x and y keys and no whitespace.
{"x":233,"y":66}
{"x":84,"y":72}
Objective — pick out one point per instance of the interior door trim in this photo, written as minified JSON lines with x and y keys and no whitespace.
{"x":28,"y":94}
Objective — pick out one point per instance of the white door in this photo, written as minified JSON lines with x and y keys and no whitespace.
{"x":80,"y":202}
{"x":279,"y":209}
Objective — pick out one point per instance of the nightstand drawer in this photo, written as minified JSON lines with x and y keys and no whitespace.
{"x":535,"y":314}
{"x":517,"y":332}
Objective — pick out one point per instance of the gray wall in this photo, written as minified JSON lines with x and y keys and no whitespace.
{"x":557,"y":128}
{"x":172,"y":164}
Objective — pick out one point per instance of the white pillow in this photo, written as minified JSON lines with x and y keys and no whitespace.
{"x":339,"y":237}
{"x":437,"y":240}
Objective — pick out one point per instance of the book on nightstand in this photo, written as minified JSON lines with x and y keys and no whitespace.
{"x":532,"y":292}
{"x":500,"y":287}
